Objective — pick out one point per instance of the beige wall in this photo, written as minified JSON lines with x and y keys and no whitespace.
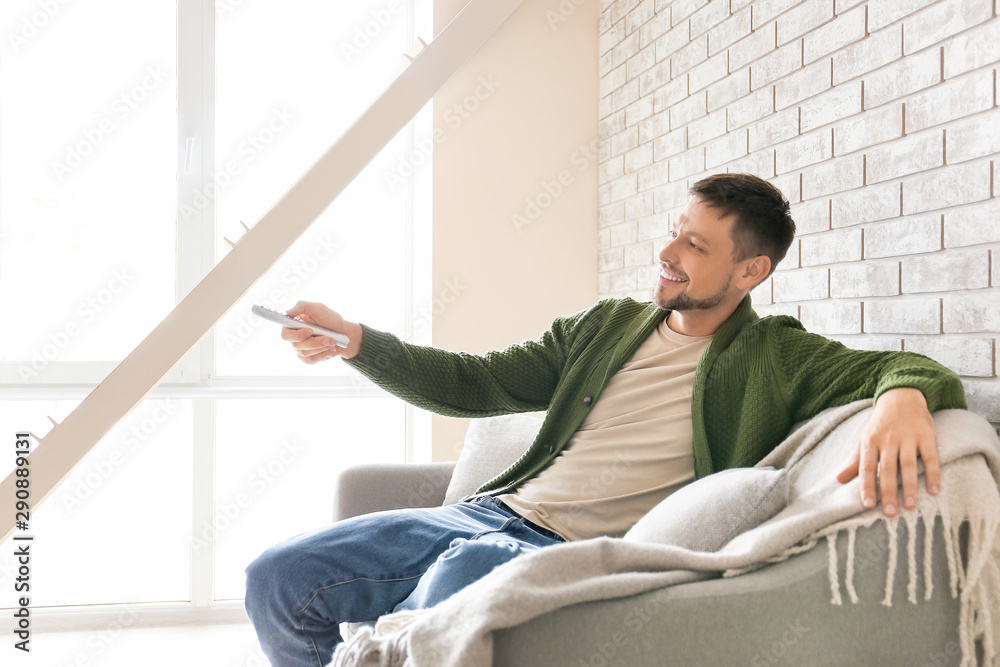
{"x":505,"y":280}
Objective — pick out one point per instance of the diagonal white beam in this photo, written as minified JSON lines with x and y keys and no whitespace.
{"x":139,"y":373}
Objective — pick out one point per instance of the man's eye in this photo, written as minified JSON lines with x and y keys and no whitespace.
{"x":695,"y":247}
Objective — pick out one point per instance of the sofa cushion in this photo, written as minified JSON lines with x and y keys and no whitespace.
{"x":706,"y":514}
{"x":491,"y":445}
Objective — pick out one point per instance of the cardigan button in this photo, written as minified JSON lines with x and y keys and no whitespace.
{"x":552,"y":448}
{"x":587,"y":400}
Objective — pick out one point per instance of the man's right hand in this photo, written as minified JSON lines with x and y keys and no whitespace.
{"x":313,"y":349}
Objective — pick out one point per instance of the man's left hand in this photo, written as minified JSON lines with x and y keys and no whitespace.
{"x":900,"y":428}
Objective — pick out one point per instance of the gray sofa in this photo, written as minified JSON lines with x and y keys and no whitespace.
{"x":778,"y":615}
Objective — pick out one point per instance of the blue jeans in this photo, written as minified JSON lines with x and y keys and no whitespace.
{"x":299,"y":590}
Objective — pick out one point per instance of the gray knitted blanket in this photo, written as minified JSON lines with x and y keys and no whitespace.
{"x":458,"y":631}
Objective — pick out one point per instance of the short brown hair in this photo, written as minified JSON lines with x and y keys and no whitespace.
{"x":762,"y":219}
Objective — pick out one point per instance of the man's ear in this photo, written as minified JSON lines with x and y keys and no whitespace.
{"x":754,"y":272}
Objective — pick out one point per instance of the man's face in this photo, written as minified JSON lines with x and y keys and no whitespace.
{"x":696,"y":263}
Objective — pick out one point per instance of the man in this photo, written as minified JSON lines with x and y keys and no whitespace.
{"x":641,"y":398}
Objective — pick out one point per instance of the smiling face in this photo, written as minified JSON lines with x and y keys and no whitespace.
{"x":699,"y":282}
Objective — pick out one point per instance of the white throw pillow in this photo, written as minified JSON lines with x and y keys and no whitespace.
{"x":706,"y":514}
{"x":491,"y":445}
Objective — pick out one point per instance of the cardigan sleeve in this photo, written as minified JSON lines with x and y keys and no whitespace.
{"x":817,"y":373}
{"x":520,"y":378}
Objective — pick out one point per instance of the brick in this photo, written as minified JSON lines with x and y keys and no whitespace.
{"x":624,"y":141}
{"x":638,"y":16}
{"x":806,"y":150}
{"x":978,"y":312}
{"x":792,"y":258}
{"x":843,"y":5}
{"x":832,"y":247}
{"x":972,"y":49}
{"x":906,"y":316}
{"x":864,"y":279}
{"x":731,"y":88}
{"x":726,"y":149}
{"x":803,"y":19}
{"x":671,"y":42}
{"x":712,"y":14}
{"x":790,"y":185}
{"x":669,"y":144}
{"x":847,"y":28}
{"x":639,"y":110}
{"x":836,"y":175}
{"x":765,"y":10}
{"x":869,"y":204}
{"x":616,"y":78}
{"x":774,"y":128}
{"x":752,"y":47}
{"x":775,"y":65}
{"x":605,"y":64}
{"x":873,"y":127}
{"x":973,"y":137}
{"x":806,"y":82}
{"x":692,"y":54}
{"x":604,"y":194}
{"x":627,"y":48}
{"x":655,"y":126}
{"x":654,"y":28}
{"x":879,"y":48}
{"x":684,"y":112}
{"x":612,"y":214}
{"x":613,"y":124}
{"x":682,"y":9}
{"x":704,"y":129}
{"x":623,"y":187}
{"x":801,"y":285}
{"x":653,"y":226}
{"x":753,"y":107}
{"x":872,"y":343}
{"x":954,"y":99}
{"x":611,"y":169}
{"x":841,"y":102}
{"x":668,"y":197}
{"x":621,"y":8}
{"x":624,"y":96}
{"x":608,"y":260}
{"x":712,"y":70}
{"x":832,"y":317}
{"x":672,"y":93}
{"x":983,"y":399}
{"x":883,"y":12}
{"x":903,"y":237}
{"x":972,"y":225}
{"x":966,"y":356}
{"x":945,"y":271}
{"x":916,"y":152}
{"x":611,"y":38}
{"x":639,"y":254}
{"x":759,"y":164}
{"x":622,"y":279}
{"x":653,"y":78}
{"x":941,"y":20}
{"x":687,"y":163}
{"x":811,"y":216}
{"x":903,"y":78}
{"x":736,"y":5}
{"x":729,"y":31}
{"x":652,"y":175}
{"x":604,"y":239}
{"x":959,"y":184}
{"x":639,"y":157}
{"x":761,"y":294}
{"x":640,"y":62}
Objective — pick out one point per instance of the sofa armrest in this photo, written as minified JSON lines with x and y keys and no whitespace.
{"x":375,"y":487}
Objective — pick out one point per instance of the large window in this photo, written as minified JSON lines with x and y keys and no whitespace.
{"x":134,"y":139}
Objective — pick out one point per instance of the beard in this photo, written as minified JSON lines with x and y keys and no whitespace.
{"x":684,"y":301}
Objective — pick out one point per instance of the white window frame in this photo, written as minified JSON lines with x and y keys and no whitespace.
{"x":192,"y":378}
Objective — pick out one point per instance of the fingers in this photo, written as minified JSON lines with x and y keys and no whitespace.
{"x":850,"y":471}
{"x":868,"y":470}
{"x":908,"y":473}
{"x":932,"y":467}
{"x":888,"y":485}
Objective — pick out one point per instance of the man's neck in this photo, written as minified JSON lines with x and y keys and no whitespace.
{"x":700,"y":322}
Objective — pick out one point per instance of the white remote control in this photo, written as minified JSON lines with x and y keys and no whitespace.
{"x":296,"y":323}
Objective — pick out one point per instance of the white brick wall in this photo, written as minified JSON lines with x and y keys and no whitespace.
{"x":879,"y":121}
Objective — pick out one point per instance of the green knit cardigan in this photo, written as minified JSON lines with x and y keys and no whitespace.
{"x":756,"y":379}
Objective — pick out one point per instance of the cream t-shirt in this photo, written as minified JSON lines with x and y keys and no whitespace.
{"x":633,"y":449}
